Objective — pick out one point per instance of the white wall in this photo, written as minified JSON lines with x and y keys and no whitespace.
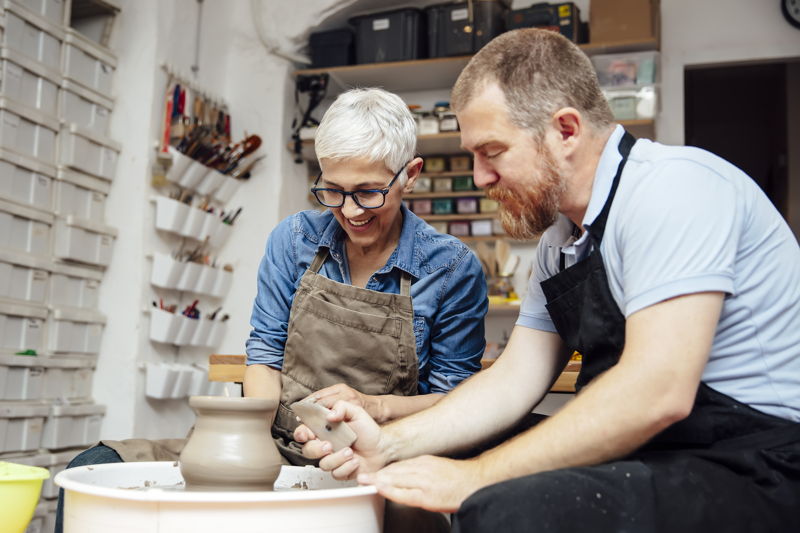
{"x":715,"y":32}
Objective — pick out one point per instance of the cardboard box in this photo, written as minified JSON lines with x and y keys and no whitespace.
{"x":623,"y":20}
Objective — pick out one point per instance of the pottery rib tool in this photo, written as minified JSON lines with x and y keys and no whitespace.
{"x":315,"y":416}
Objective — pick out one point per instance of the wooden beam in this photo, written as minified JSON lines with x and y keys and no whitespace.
{"x":230,"y":368}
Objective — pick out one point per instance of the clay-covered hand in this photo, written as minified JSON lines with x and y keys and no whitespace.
{"x":330,"y":395}
{"x":365,"y":455}
{"x":433,"y":483}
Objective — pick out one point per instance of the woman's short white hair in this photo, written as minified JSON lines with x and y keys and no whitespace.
{"x":368,"y":123}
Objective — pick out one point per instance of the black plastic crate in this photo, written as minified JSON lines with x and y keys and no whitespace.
{"x":397,"y":35}
{"x":563,"y":17}
{"x":450,"y":32}
{"x":331,"y":48}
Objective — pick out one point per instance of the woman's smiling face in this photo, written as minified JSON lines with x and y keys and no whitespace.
{"x":366,"y":228}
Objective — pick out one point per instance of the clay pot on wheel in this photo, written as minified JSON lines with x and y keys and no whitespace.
{"x":231,"y":447}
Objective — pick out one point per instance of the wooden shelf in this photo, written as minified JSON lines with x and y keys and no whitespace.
{"x":450,"y":143}
{"x":447,"y":218}
{"x":481,"y":238}
{"x":445,"y":174}
{"x":504,"y":308}
{"x":452,"y":194}
{"x":396,"y":76}
{"x":439,"y":72}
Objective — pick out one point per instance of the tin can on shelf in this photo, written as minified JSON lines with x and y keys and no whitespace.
{"x":434,"y":164}
{"x":466,"y":206}
{"x":443,"y":206}
{"x":459,"y":228}
{"x":463,"y":183}
{"x":481,"y":228}
{"x":460,"y":163}
{"x":442,"y":185}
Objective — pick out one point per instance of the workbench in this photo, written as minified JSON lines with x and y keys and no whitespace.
{"x":230,"y":368}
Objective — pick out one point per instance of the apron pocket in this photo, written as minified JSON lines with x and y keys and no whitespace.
{"x":347,"y":317}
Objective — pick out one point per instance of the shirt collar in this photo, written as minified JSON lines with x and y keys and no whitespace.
{"x":403,"y":255}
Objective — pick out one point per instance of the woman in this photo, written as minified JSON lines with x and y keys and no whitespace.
{"x":385,"y":312}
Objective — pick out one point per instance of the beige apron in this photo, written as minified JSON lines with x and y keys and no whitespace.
{"x":339,"y":333}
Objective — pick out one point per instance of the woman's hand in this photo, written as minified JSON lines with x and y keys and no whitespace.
{"x":373,"y":405}
{"x":364,"y":456}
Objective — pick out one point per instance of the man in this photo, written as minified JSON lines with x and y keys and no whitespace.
{"x":675,"y":277}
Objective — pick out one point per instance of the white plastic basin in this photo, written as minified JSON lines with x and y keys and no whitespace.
{"x":149,"y":498}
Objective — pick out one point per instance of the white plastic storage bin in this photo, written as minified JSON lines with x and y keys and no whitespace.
{"x":160,"y":380}
{"x":185,"y":171}
{"x":632,"y":69}
{"x":225,"y":190}
{"x":73,"y":286}
{"x":164,"y":326}
{"x":84,"y":241}
{"x":67,"y":378}
{"x":85,"y":151}
{"x":633,"y":104}
{"x":22,"y":426}
{"x":33,"y":36}
{"x":21,"y":327}
{"x":21,"y":377}
{"x":76,"y":331}
{"x":167,"y":271}
{"x":44,"y":516}
{"x":80,"y":195}
{"x":52,"y":10}
{"x":57,"y":462}
{"x":24,"y":277}
{"x":29,"y":82}
{"x":26,"y":181}
{"x":68,"y":426}
{"x":88,"y":63}
{"x":28,"y":131}
{"x":87,"y":109}
{"x":171,"y":215}
{"x":23,"y":229}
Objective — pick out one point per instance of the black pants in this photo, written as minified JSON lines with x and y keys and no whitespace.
{"x":730,"y":492}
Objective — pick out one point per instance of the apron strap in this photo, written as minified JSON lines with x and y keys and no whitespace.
{"x":598,"y":226}
{"x":405,"y":283}
{"x":319,"y":260}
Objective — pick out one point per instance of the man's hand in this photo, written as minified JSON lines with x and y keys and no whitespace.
{"x":365,"y":455}
{"x":330,"y":395}
{"x":433,"y":483}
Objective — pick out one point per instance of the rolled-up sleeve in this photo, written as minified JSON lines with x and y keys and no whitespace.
{"x":457,"y":332}
{"x":276,"y":287}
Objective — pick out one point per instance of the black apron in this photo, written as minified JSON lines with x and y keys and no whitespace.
{"x":738,"y":455}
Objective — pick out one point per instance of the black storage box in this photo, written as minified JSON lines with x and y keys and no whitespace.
{"x":563,"y":17}
{"x":397,"y":35}
{"x":451,"y":34}
{"x":331,"y":48}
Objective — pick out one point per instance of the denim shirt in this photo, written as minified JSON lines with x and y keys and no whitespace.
{"x":448,"y":291}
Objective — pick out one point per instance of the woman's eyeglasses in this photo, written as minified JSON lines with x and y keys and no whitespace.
{"x":364,"y":198}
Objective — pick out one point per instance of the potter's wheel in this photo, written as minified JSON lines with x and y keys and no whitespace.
{"x":148,"y":497}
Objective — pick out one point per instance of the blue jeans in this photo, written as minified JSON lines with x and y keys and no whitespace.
{"x":98,"y":455}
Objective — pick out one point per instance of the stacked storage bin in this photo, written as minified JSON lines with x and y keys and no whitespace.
{"x":56,"y":168}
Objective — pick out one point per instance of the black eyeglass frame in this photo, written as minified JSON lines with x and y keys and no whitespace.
{"x":352,"y":194}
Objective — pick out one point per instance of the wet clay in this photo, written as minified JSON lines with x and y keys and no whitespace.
{"x":231,"y":447}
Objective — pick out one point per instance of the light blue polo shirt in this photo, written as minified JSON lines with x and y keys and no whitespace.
{"x":686,"y":221}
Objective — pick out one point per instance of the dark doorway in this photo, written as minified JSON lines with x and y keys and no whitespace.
{"x":740,"y":114}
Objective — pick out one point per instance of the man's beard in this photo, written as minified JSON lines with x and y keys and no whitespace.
{"x":525,"y":214}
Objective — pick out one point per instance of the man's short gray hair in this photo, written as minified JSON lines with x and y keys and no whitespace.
{"x":370,"y":123}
